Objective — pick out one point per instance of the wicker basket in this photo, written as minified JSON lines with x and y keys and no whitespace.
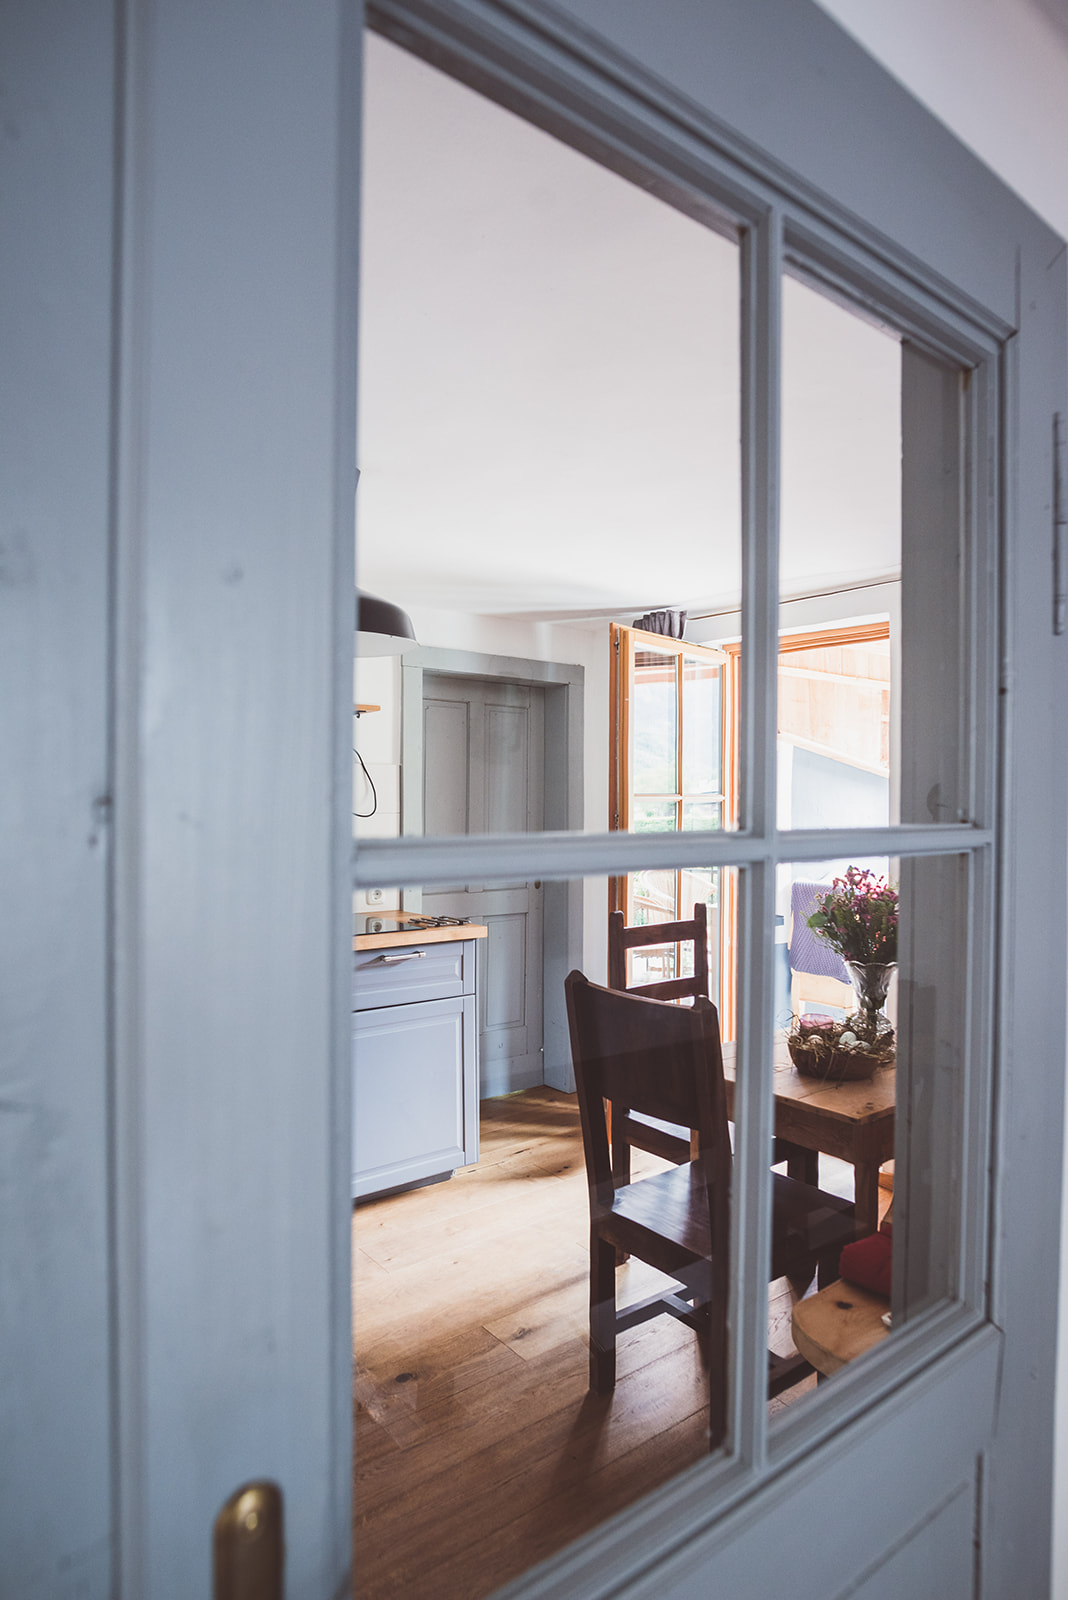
{"x":832,"y":1065}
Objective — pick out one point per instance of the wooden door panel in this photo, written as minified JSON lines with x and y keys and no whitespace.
{"x":506,"y":742}
{"x":937,"y":1563}
{"x":446,"y":736}
{"x":504,"y":973}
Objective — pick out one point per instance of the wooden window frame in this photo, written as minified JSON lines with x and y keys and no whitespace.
{"x":623,"y":643}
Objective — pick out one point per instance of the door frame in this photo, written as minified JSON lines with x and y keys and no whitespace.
{"x":563,"y":684}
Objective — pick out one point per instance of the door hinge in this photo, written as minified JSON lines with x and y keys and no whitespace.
{"x":248,"y":1545}
{"x":1060,"y":520}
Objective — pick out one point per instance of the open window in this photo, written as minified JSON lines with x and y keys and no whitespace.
{"x":673,"y":764}
{"x":671,"y":771}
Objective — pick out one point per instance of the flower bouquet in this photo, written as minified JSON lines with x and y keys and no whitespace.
{"x":857,"y":917}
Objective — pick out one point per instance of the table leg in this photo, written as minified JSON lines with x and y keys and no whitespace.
{"x":866,"y":1190}
{"x":804,"y":1165}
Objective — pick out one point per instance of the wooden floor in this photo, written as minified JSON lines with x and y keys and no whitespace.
{"x":479,"y":1450}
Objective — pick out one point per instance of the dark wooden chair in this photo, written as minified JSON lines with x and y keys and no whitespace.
{"x":637,"y":1054}
{"x":641,"y":936}
{"x":674,"y":1143}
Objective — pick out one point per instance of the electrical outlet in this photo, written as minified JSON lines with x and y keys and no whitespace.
{"x":374,"y":897}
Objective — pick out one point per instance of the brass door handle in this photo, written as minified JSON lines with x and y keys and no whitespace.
{"x":248,"y":1546}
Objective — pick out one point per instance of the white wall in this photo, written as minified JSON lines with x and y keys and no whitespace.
{"x":996,"y":73}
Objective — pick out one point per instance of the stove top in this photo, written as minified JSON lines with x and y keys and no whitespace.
{"x":366,"y":923}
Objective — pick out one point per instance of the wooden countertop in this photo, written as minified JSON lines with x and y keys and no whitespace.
{"x":391,"y":941}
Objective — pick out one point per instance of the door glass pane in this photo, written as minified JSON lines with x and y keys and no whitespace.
{"x":472,"y":1328}
{"x":655,"y":730}
{"x":702,"y":696}
{"x":654,"y":896}
{"x":654,"y":816}
{"x":548,"y":439}
{"x":870,"y":1065}
{"x":700,"y":815}
{"x":840,"y":565}
{"x":872,"y":573}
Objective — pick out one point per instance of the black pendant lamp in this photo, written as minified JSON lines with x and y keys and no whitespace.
{"x":382,"y":629}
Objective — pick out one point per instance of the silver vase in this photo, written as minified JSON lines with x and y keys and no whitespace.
{"x":871,"y":981}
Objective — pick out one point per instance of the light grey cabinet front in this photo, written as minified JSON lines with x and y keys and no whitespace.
{"x":415,"y":1077}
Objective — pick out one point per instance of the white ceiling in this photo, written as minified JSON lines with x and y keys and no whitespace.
{"x":549,"y":382}
{"x":994,"y":71}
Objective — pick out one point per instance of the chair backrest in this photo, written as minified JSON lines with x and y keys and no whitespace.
{"x":621,"y":939}
{"x":647,"y":1056}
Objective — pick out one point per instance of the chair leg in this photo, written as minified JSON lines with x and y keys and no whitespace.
{"x":714,"y":1355}
{"x":620,"y":1160}
{"x":602,"y":1315}
{"x":804,"y":1165}
{"x":827,"y":1267}
{"x":620,"y":1173}
{"x":803,"y":1270}
{"x":703,"y":1329}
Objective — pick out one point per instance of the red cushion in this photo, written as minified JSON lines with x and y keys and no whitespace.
{"x":866,"y":1262}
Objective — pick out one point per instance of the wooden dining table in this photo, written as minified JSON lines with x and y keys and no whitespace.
{"x":853,"y":1121}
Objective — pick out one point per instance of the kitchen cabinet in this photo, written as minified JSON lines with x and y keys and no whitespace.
{"x":414,"y":1057}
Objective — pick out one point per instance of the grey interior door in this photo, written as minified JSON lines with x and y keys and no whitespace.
{"x":177,"y":638}
{"x":483,"y":760}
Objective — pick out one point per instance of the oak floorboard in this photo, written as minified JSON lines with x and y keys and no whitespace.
{"x":477,"y":1286}
{"x":457,"y":1430}
{"x":410,"y":1241}
{"x":370,"y":1439}
{"x":563,"y":1516}
{"x":562,"y":1450}
{"x":479,"y":1449}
